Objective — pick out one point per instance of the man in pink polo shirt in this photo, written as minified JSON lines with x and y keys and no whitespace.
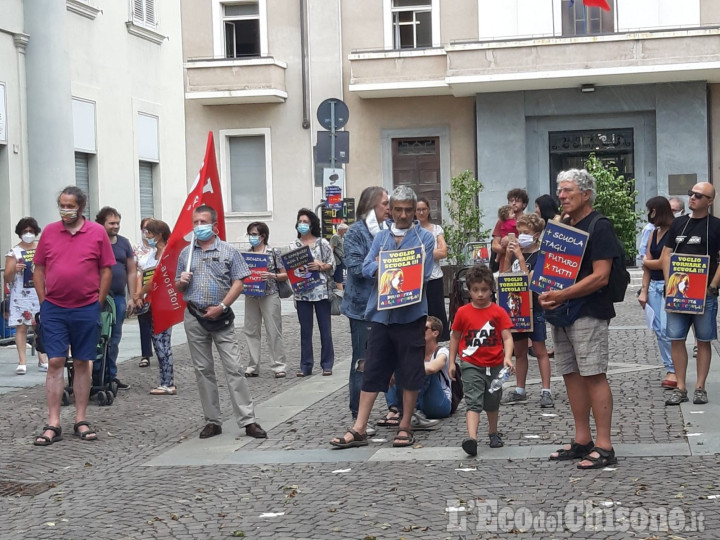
{"x":72,"y":277}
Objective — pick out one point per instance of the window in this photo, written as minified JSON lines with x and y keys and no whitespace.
{"x":246,"y":170}
{"x":147,"y":201}
{"x":82,"y":178}
{"x":580,"y":20}
{"x":143,"y":13}
{"x":241,"y":24}
{"x":412,"y":24}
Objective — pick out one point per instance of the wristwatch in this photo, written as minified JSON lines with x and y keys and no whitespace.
{"x":225,"y":308}
{"x":713,"y":290}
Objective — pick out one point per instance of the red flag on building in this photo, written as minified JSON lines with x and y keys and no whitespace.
{"x":168,"y":307}
{"x":602,"y":4}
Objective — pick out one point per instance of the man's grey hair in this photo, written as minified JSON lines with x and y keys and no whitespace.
{"x":679,"y":200}
{"x":581,"y":178}
{"x":403,"y":193}
{"x":342,"y":227}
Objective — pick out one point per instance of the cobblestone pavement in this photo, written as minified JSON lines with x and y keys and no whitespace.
{"x":106,"y":489}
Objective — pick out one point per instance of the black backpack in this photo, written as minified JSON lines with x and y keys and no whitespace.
{"x":619,"y":276}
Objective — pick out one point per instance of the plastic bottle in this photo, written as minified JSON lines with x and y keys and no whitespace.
{"x":496,"y":384}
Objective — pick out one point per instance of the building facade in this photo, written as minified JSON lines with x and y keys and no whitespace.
{"x":91,"y":94}
{"x":514,"y":91}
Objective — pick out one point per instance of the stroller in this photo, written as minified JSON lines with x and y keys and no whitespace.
{"x":473,"y":253}
{"x":103,"y":388}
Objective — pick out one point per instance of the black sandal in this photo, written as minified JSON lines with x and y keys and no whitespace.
{"x":605,"y":458}
{"x":144,"y":362}
{"x":87,"y":435}
{"x":357,"y":440}
{"x":47,"y":441}
{"x":392,"y":421}
{"x":576,"y":451}
{"x":404,"y":440}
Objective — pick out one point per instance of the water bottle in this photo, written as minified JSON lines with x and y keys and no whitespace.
{"x":496,"y":384}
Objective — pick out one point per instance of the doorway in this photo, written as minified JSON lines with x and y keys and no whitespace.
{"x":416,"y":164}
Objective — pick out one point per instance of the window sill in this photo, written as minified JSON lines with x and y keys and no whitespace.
{"x":82,"y":8}
{"x":145,"y":33}
{"x":245,"y":216}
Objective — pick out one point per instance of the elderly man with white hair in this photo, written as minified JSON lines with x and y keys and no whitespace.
{"x":337,"y":244}
{"x":580,"y":316}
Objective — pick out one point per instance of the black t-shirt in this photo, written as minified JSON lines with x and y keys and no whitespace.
{"x":123,"y":251}
{"x":602,"y":244}
{"x":656,"y":252}
{"x":688,"y":235}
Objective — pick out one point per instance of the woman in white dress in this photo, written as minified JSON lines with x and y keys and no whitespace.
{"x":24,"y":302}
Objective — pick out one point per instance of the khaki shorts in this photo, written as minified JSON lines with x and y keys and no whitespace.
{"x":582,"y":347}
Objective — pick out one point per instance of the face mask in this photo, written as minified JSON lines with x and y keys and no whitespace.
{"x":525,"y":240}
{"x":254,"y":240}
{"x":28,"y":238}
{"x":303,"y":228}
{"x":152,"y":242}
{"x":678,"y":213}
{"x":68,"y":215}
{"x":396,"y":231}
{"x":372,"y":223}
{"x":203,"y":232}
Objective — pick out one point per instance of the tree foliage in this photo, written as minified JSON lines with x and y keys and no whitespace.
{"x":616,"y":198}
{"x":465,"y":215}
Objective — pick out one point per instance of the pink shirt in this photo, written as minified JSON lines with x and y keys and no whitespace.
{"x":73,"y":263}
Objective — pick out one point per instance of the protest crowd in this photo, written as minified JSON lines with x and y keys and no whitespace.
{"x":561,"y":265}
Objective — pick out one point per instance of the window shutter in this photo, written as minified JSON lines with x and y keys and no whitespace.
{"x":138,"y":11}
{"x":147,"y":203}
{"x":150,"y":12}
{"x":82,"y":178}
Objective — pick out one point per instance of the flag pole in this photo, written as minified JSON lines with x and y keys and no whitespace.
{"x":190,"y":251}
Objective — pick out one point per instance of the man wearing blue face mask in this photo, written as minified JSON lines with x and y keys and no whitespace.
{"x":213,"y":283}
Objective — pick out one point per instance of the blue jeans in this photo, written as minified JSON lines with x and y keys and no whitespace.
{"x":305,"y":316}
{"x":705,"y":325}
{"x":657,"y":303}
{"x":359,"y":331}
{"x":431,"y":399}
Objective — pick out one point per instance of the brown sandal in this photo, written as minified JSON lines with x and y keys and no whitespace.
{"x":401,"y":441}
{"x":357,"y":440}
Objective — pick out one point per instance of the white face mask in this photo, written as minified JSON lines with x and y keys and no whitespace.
{"x":396,"y":231}
{"x":28,"y":238}
{"x":525,"y":240}
{"x":678,"y":213}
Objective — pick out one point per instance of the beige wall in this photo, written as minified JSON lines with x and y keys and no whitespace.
{"x":714,"y":119}
{"x":458,"y":20}
{"x":709,"y":12}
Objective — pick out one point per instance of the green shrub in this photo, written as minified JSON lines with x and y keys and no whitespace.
{"x":465,"y":215}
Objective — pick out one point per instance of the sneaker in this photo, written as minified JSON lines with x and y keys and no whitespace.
{"x":21,"y":369}
{"x":700,"y":396}
{"x":546,"y":401}
{"x":513,"y":398}
{"x":370,"y":432}
{"x":420,"y":422}
{"x":121,"y":385}
{"x":469,"y":446}
{"x":677,"y":397}
{"x":496,"y":441}
{"x":43,"y":367}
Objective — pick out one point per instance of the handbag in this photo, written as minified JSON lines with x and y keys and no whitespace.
{"x":218,"y":324}
{"x":335,"y":296}
{"x":566,"y":314}
{"x":284,"y":288}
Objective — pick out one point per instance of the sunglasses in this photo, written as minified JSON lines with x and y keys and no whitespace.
{"x":697,"y":195}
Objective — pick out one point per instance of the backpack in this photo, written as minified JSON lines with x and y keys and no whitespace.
{"x":456,"y":387}
{"x":619,"y":276}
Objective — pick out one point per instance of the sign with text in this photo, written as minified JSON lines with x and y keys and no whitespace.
{"x":514,"y":296}
{"x":27,"y":257}
{"x":561,"y":251}
{"x":330,"y":217}
{"x":254,"y":284}
{"x":478,"y":252}
{"x":400,"y":277}
{"x":686,"y":287}
{"x":300,"y":276}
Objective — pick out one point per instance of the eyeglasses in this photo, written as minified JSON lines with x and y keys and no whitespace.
{"x":696,"y":195}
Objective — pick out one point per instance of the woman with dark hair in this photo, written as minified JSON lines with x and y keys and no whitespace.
{"x":317,"y":298}
{"x":434,"y":288}
{"x":659,"y":214}
{"x":143,"y":252}
{"x":24,"y":303}
{"x":547,"y":208}
{"x":157,"y":236}
{"x":266,"y":308}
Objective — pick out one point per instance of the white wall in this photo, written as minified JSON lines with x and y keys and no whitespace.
{"x":633,"y":14}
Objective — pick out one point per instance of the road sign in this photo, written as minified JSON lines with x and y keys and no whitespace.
{"x":333,"y":114}
{"x":342,"y":146}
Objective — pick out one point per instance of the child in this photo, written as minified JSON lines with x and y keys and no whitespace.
{"x":521,"y":256}
{"x":486,"y":347}
{"x":508,"y":225}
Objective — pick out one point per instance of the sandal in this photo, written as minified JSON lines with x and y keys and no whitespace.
{"x":144,"y":362}
{"x":356,"y":441}
{"x":327,"y":372}
{"x":401,"y":441}
{"x":605,"y":458}
{"x":87,"y":435}
{"x":575,"y":451}
{"x":280,"y":375}
{"x":164,"y":391}
{"x":47,"y":441}
{"x":390,"y":421}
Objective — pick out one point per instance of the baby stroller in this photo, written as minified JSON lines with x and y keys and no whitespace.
{"x":103,"y":388}
{"x":473,"y":253}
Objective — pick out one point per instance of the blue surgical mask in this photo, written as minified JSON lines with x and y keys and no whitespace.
{"x":203,"y":232}
{"x":152,"y":242}
{"x":254,"y":240}
{"x":303,"y":228}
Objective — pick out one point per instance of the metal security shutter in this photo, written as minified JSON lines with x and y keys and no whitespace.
{"x":147,"y":204}
{"x":82,"y":178}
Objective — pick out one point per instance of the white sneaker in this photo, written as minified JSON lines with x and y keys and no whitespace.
{"x":21,"y":370}
{"x":420,"y":422}
{"x":43,"y":367}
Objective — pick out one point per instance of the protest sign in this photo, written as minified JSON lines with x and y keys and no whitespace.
{"x":514,"y":296}
{"x":561,"y":251}
{"x":478,"y":253}
{"x":27,"y":257}
{"x":254,"y":284}
{"x":300,"y":276}
{"x":400,"y":275}
{"x":686,"y":287}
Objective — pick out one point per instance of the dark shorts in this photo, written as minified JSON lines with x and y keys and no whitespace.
{"x":395,"y":348}
{"x":77,"y":328}
{"x":339,"y":275}
{"x":539,"y":332}
{"x":476,"y":383}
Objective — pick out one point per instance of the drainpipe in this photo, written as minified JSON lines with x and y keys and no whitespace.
{"x":303,"y":58}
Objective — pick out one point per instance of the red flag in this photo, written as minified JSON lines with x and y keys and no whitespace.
{"x":168,"y":307}
{"x":602,"y":4}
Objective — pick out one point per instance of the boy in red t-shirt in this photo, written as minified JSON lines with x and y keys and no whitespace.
{"x":481,"y":335}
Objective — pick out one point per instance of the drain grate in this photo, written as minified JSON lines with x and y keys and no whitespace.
{"x":8,"y":489}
